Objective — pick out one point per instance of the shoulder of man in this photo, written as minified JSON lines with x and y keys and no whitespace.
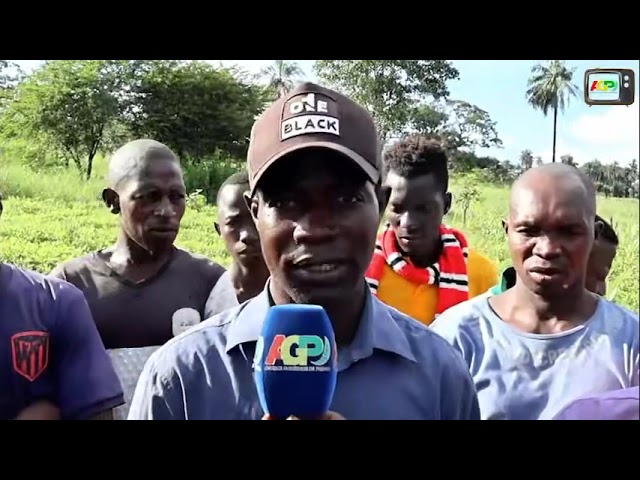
{"x":445,"y":373}
{"x":202,"y":265}
{"x":50,"y":297}
{"x":430,"y":348}
{"x":620,"y":322}
{"x":39,"y":285}
{"x":196,"y":345}
{"x":71,"y":270}
{"x":481,"y":266}
{"x":461,"y":317}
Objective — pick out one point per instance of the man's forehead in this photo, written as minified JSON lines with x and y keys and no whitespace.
{"x":232,"y":196}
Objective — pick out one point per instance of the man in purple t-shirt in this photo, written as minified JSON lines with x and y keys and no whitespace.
{"x":53,"y":364}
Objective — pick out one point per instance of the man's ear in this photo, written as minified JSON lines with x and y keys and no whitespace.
{"x":252,"y":204}
{"x":112,"y":200}
{"x":383,"y":194}
{"x":505,"y":226}
{"x":597,"y":229}
{"x":217,"y":227}
{"x":448,"y":199}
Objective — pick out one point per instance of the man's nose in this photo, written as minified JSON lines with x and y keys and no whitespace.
{"x":248,"y":236}
{"x":547,"y":247}
{"x":318,"y":225}
{"x":164,"y":208}
{"x":409,"y":222}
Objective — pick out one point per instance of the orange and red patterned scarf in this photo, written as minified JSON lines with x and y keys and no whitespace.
{"x":449,"y":273}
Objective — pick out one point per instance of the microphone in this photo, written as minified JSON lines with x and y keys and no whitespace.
{"x":295,"y":364}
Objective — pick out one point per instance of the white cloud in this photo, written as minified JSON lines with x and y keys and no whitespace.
{"x":608,"y":134}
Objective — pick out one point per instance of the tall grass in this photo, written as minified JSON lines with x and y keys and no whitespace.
{"x":55,"y":215}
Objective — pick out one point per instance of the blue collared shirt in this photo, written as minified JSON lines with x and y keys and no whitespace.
{"x":394,"y":369}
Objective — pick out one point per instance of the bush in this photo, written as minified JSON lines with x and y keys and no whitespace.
{"x":208,"y":174}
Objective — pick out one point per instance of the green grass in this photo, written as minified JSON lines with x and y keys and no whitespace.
{"x":53,"y":217}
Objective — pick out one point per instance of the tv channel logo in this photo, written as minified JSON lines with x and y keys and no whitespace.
{"x":609,"y":86}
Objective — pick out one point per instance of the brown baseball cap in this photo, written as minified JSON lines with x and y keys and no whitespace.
{"x":314,"y":116}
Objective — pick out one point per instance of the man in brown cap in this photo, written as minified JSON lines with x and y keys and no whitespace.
{"x":314,"y":173}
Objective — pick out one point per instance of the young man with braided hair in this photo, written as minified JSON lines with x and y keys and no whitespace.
{"x":421,"y":266}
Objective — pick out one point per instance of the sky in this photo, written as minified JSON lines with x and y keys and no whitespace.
{"x":607,"y":133}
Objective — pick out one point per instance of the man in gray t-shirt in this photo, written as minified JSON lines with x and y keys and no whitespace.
{"x":548,"y":340}
{"x":143,"y":290}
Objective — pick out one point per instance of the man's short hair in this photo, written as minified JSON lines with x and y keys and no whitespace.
{"x":238,"y":178}
{"x":132,"y":156}
{"x":607,"y":233}
{"x":417,"y":155}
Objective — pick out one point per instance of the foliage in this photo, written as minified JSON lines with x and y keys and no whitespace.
{"x":69,"y":104}
{"x":549,"y":88}
{"x":469,"y":193}
{"x":526,"y":160}
{"x":281,"y":77}
{"x":461,"y":126}
{"x":78,"y":108}
{"x":192,"y":107}
{"x":10,"y":77}
{"x":68,"y":220}
{"x":196,"y":200}
{"x":388,"y":88}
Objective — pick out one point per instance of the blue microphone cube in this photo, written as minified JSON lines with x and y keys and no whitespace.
{"x":295,"y":364}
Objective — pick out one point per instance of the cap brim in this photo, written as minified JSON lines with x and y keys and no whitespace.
{"x":370,"y":171}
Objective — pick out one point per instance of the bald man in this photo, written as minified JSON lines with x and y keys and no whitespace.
{"x":144,"y":290}
{"x":546,"y":341}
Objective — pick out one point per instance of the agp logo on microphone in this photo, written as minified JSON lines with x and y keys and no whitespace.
{"x":301,"y":353}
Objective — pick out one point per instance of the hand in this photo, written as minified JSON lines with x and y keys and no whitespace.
{"x":40,"y":410}
{"x":326,"y":416}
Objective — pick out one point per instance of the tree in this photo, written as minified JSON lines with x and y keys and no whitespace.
{"x":526,"y":160}
{"x":461,"y":126}
{"x":281,"y":76}
{"x":10,"y":77}
{"x":550,"y":87}
{"x":193,"y":107}
{"x":388,"y":88}
{"x":568,"y":160}
{"x":69,"y":103}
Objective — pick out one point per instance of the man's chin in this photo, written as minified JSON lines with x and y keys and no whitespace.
{"x":319,"y":296}
{"x":550,"y":288}
{"x":324,"y":295}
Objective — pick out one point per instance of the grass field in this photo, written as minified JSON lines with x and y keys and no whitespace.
{"x":53,"y":217}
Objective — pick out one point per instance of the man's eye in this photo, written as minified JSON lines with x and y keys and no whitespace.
{"x":283,"y":203}
{"x":350,"y":198}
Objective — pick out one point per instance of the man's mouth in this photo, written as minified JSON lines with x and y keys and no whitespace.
{"x":249,"y":252}
{"x":320,"y":270}
{"x":545,"y":274}
{"x":545,"y":270}
{"x":163,"y":230}
{"x":319,"y":267}
{"x":411,"y":238}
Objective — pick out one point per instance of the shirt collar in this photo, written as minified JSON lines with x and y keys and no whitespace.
{"x":377,"y":330}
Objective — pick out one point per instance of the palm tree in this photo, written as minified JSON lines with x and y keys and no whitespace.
{"x":550,"y":87}
{"x":281,"y":76}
